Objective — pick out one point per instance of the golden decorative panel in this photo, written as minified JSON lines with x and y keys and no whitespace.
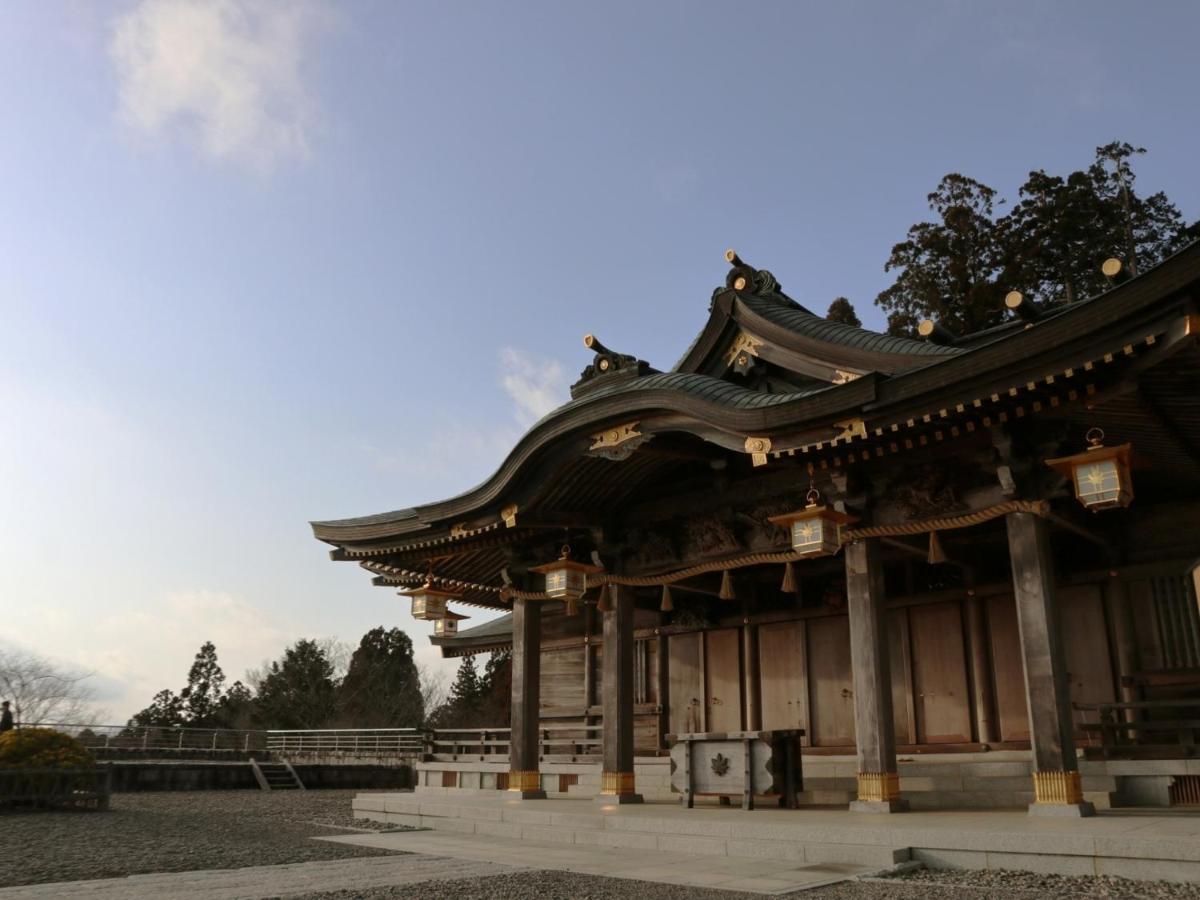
{"x":758,"y":448}
{"x":616,"y":783}
{"x":525,"y":781}
{"x":1057,"y":787}
{"x":615,"y":436}
{"x":509,"y":515}
{"x":743,"y":349}
{"x":878,"y":786}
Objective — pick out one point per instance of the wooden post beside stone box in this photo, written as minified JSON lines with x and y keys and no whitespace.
{"x":737,"y":763}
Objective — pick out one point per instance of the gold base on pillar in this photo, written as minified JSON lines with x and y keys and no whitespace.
{"x":1057,"y":787}
{"x":525,"y":781}
{"x":878,"y":787}
{"x":616,"y":783}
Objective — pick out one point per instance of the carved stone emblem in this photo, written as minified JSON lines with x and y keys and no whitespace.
{"x":720,"y":765}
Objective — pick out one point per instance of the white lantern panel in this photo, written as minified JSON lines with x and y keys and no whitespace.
{"x":445,"y":627}
{"x":814,"y":536}
{"x":1098,"y":484}
{"x":565,"y":582}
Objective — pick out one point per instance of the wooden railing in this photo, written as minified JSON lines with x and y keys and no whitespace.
{"x":555,"y":742}
{"x":1144,"y":726}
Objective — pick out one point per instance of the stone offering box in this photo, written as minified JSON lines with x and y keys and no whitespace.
{"x":740,"y":764}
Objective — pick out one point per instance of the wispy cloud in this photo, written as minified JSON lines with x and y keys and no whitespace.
{"x":535,"y":384}
{"x":225,"y":75}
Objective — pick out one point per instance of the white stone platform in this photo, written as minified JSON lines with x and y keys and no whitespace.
{"x":1152,"y":844}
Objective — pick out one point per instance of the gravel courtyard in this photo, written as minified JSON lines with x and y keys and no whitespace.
{"x":175,"y":832}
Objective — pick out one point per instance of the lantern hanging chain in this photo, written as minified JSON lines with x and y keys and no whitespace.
{"x":1095,"y":437}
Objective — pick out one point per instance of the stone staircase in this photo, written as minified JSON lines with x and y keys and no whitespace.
{"x":276,"y":776}
{"x":647,"y":828}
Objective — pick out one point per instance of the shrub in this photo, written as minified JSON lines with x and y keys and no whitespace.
{"x":42,"y":748}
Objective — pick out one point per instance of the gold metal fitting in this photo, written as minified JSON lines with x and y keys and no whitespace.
{"x":878,"y":786}
{"x":616,"y":783}
{"x":1057,"y":787}
{"x":525,"y":781}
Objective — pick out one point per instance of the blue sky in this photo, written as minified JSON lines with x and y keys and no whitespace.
{"x":262,"y":263}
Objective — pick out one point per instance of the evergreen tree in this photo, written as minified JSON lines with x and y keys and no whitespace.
{"x":236,"y":709}
{"x":948,"y":267}
{"x":842,"y":310}
{"x":382,"y":687}
{"x":298,"y":690}
{"x":166,"y":709}
{"x":202,"y":695}
{"x":1149,"y":227}
{"x":496,"y":687}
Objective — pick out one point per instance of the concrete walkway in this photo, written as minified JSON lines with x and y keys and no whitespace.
{"x":759,"y":876}
{"x":266,"y":881}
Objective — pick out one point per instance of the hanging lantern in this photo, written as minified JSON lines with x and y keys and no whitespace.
{"x":447,"y":626}
{"x":816,"y":530}
{"x":428,"y":602}
{"x":565,"y":578}
{"x":1100,"y":474}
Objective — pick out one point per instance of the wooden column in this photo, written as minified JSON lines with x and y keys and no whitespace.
{"x":981,"y":671}
{"x":523,"y":777}
{"x":1056,"y":784}
{"x":751,"y":695}
{"x":1116,"y":599}
{"x":878,"y":781}
{"x":663,"y":674}
{"x":616,"y":777}
{"x":589,"y":663}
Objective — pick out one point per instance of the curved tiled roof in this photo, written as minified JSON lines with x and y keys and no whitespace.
{"x":796,"y":318}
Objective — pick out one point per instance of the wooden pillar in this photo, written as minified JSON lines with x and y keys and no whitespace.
{"x":1056,"y":784}
{"x":751,"y":696}
{"x":524,"y":778}
{"x":589,"y":663}
{"x":663,"y":674}
{"x":1116,"y":599}
{"x":616,"y":777}
{"x":982,"y":696}
{"x":878,"y":781}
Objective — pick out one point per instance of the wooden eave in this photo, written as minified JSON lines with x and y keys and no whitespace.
{"x":1154,"y":303}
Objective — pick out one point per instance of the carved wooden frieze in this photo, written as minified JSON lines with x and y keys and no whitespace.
{"x":709,"y":536}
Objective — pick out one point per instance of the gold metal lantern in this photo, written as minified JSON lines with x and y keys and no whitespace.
{"x":816,"y":530}
{"x":565,"y":578}
{"x":428,"y":603}
{"x":1100,"y":474}
{"x":447,"y":625}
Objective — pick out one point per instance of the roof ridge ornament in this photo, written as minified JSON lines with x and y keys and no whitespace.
{"x":606,"y":366}
{"x":746,"y":279}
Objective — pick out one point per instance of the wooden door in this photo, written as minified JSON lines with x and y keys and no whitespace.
{"x":943,"y":706}
{"x":1008,"y":668}
{"x":783,"y":676}
{"x":686,"y":685}
{"x":1085,"y":645}
{"x":830,"y":683}
{"x":723,"y":680}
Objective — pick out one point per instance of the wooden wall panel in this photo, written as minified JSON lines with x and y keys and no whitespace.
{"x":1008,"y":671}
{"x":686,"y":689}
{"x":562,"y":679}
{"x":1085,"y":644}
{"x":645,"y":735}
{"x":784,"y":676}
{"x":943,"y":706}
{"x":900,"y":659}
{"x":723,"y":679}
{"x":830,"y":687}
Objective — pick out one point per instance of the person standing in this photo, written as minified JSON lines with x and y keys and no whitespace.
{"x":6,"y":717}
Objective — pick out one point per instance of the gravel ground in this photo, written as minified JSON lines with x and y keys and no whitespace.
{"x":921,"y":885}
{"x":176,"y":832}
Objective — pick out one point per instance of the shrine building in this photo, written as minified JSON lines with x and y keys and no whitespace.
{"x":976,"y":544}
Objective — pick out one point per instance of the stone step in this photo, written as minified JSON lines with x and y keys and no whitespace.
{"x":747,"y":840}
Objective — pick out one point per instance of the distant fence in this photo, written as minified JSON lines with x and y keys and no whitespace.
{"x":402,"y":742}
{"x":357,"y":741}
